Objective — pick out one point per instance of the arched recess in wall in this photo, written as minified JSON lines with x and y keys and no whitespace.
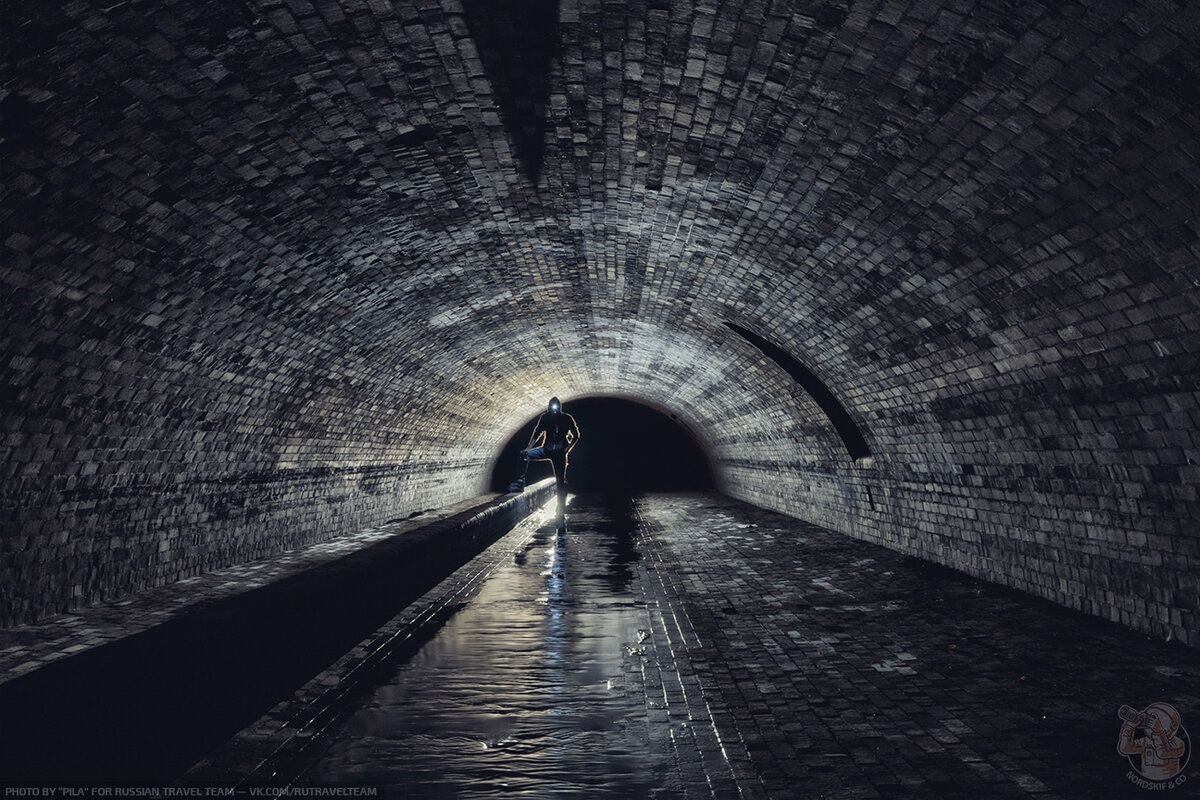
{"x":843,"y":423}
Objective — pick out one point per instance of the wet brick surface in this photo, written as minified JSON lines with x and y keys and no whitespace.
{"x":837,"y":668}
{"x":778,"y":659}
{"x":315,"y":736}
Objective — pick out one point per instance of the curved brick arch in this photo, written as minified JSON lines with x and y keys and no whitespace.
{"x":276,"y":271}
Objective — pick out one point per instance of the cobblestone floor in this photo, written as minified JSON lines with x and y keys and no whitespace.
{"x":837,"y":668}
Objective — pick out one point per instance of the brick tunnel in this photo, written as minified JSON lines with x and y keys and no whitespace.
{"x":920,"y":275}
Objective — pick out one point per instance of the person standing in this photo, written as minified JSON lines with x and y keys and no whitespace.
{"x":554,"y":435}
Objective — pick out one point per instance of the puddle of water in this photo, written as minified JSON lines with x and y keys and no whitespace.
{"x":533,"y":688}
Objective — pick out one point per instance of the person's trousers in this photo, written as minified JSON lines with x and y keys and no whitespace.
{"x":558,"y":461}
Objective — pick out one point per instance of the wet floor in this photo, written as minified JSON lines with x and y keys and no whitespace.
{"x":534,"y":683}
{"x":695,"y":646}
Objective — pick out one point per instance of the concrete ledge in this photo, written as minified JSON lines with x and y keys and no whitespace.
{"x":26,"y":648}
{"x":278,"y":747}
{"x":169,"y":693}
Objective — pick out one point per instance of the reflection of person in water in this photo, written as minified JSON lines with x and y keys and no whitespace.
{"x":1161,"y":749}
{"x":552,"y":439}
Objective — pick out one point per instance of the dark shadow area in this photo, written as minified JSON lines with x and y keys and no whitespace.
{"x":617,"y":529}
{"x":148,"y":706}
{"x":852,"y":438}
{"x":517,"y":41}
{"x":625,"y":448}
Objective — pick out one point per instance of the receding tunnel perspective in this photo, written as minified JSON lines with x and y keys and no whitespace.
{"x":599,"y":398}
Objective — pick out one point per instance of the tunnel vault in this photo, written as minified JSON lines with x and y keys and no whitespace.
{"x":273,"y":272}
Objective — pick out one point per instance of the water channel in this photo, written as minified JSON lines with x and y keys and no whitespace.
{"x":532,"y":689}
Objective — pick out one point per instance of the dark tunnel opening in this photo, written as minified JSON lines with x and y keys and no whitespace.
{"x":624,"y":448}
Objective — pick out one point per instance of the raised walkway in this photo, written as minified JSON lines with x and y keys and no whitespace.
{"x":140,"y":688}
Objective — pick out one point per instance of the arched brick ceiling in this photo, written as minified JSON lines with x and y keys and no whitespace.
{"x":277,"y":268}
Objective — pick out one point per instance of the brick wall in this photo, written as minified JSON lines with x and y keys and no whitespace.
{"x":274,"y":269}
